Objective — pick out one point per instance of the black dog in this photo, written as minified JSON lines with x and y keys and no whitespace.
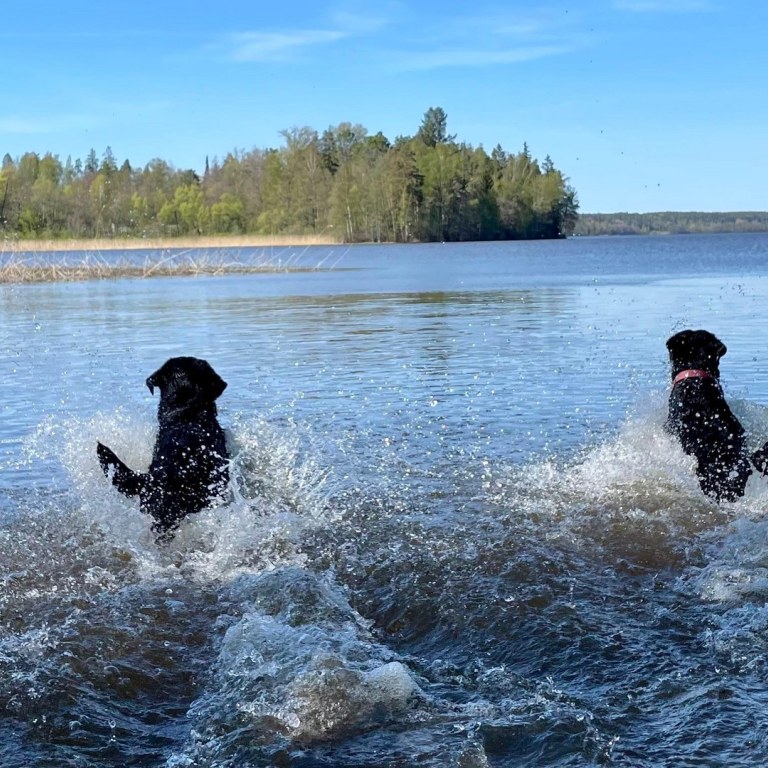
{"x":701,"y":419}
{"x":190,"y":462}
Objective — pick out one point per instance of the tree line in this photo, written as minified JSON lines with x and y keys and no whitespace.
{"x":344,"y":183}
{"x":670,"y":222}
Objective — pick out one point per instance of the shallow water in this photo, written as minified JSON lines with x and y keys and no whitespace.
{"x":459,"y":534}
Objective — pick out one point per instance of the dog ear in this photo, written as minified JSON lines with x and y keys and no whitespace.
{"x":153,"y":381}
{"x":679,"y":341}
{"x":211,"y":384}
{"x":718,"y":348}
{"x":711,"y":345}
{"x":159,"y":377}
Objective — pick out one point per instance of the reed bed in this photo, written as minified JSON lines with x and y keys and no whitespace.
{"x":14,"y":245}
{"x":198,"y":261}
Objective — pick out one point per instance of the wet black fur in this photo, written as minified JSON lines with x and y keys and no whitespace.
{"x":702,"y":420}
{"x":190,"y":464}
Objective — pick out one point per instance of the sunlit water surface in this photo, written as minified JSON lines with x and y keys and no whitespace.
{"x":459,"y":536}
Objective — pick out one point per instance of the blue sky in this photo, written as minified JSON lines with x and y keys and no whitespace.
{"x":645,"y":105}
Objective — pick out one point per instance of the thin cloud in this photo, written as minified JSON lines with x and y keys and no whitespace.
{"x":280,"y":46}
{"x":285,"y":45}
{"x":508,"y":39}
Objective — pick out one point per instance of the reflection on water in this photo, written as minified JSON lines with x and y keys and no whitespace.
{"x":492,"y":340}
{"x":278,"y":351}
{"x":459,"y":533}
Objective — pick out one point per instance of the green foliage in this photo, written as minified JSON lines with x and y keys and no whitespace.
{"x":434,"y":128}
{"x":228,"y":215}
{"x":343,"y":182}
{"x":186,"y":212}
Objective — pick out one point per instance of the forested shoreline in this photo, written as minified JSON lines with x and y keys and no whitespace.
{"x":670,"y":223}
{"x":343,"y":183}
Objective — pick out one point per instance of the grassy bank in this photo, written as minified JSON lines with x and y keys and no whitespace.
{"x":166,"y":243}
{"x":68,"y":260}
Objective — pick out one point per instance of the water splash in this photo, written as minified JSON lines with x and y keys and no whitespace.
{"x":314,"y":613}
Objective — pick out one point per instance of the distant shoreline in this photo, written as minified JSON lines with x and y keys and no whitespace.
{"x":590,"y":224}
{"x":671,"y":223}
{"x":16,"y":246}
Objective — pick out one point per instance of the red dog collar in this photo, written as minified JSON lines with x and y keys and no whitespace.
{"x":692,"y":373}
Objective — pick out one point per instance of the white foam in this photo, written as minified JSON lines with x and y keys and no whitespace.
{"x":278,"y":492}
{"x":300,"y":662}
{"x":390,"y":685}
{"x":633,"y":494}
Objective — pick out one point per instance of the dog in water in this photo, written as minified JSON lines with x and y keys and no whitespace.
{"x":701,"y":419}
{"x":190,"y":463}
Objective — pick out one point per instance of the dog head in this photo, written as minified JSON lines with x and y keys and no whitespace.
{"x":699,"y":350}
{"x":186,"y":382}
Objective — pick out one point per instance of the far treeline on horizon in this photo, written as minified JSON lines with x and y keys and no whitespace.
{"x":344,"y":185}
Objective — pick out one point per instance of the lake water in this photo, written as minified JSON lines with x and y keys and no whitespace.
{"x":459,"y":536}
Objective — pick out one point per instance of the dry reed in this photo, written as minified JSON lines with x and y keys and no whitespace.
{"x":18,"y":267}
{"x":14,"y":245}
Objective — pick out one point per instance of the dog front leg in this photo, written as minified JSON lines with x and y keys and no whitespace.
{"x":124,"y":478}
